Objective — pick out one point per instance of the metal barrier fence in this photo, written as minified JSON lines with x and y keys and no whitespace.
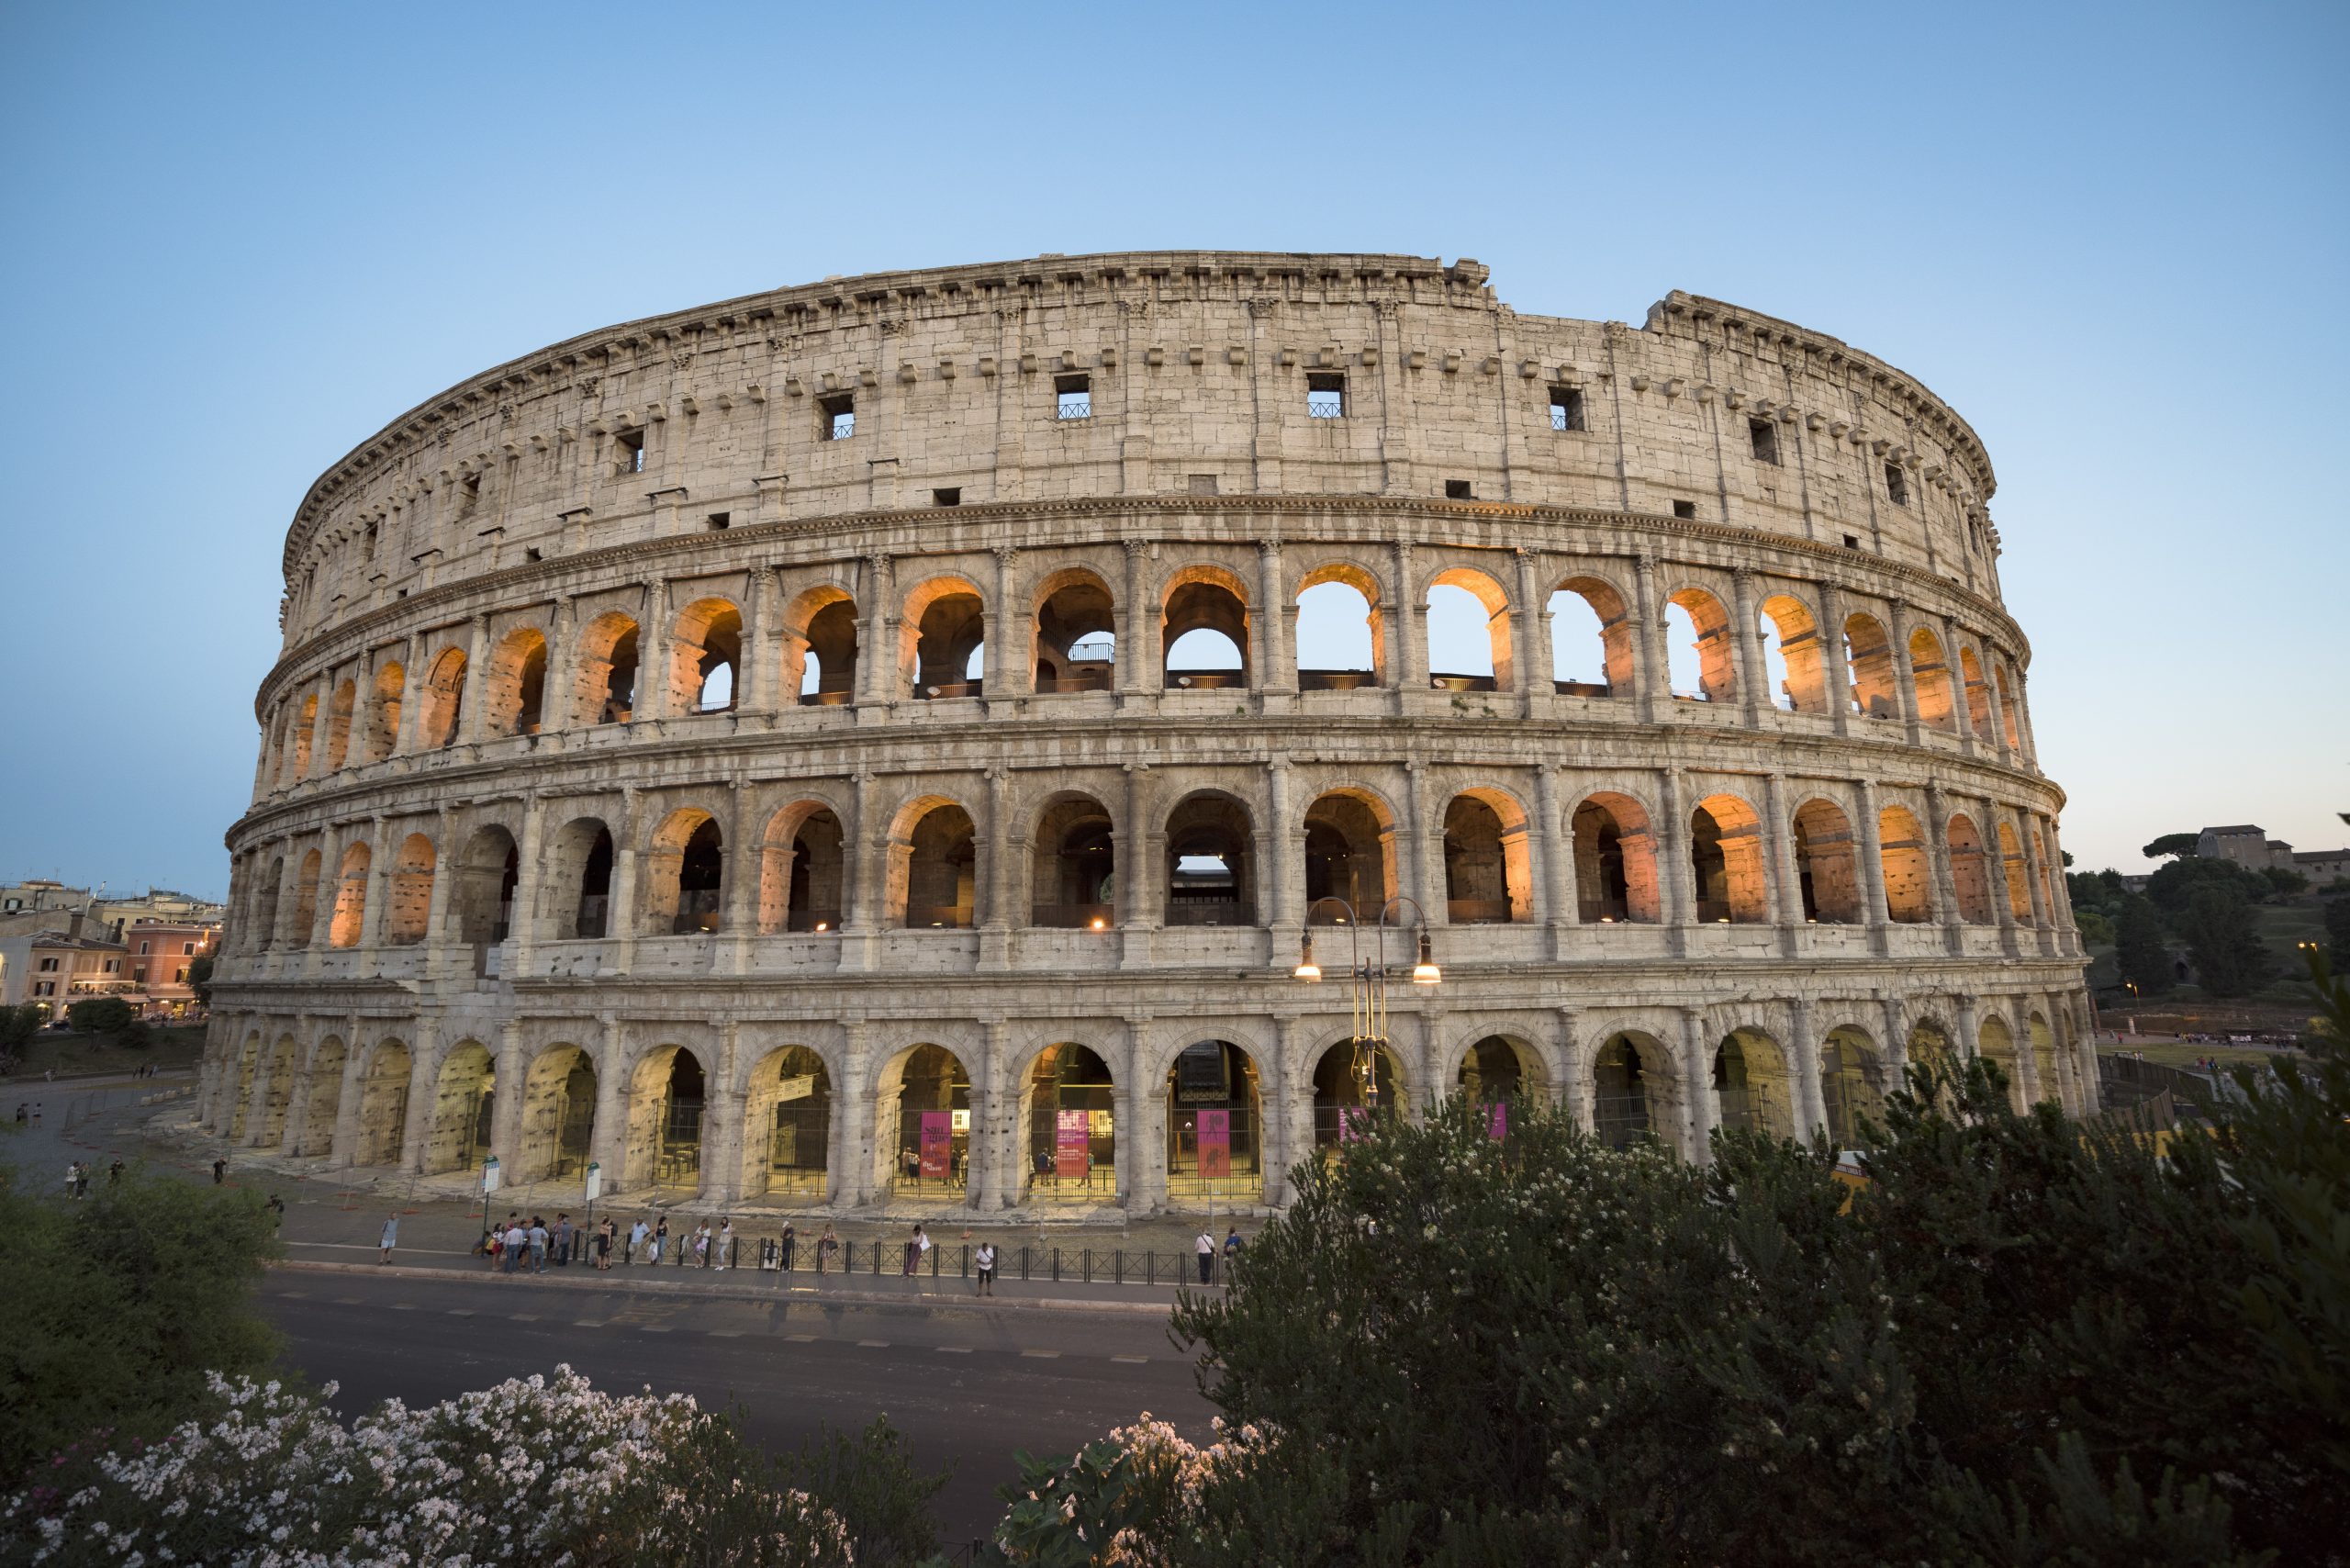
{"x":881,"y":1259}
{"x":2126,"y":1080}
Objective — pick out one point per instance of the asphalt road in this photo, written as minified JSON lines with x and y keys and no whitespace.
{"x":966,"y":1386}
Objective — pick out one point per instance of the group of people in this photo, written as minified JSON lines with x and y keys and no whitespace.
{"x":22,"y":1108}
{"x":77,"y":1177}
{"x":527,"y":1246}
{"x":1204,"y":1246}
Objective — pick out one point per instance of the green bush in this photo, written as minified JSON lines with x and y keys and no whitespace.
{"x":103,"y":1016}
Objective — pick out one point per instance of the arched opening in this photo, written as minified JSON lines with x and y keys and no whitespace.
{"x":411,"y":892}
{"x":1497,"y":1071}
{"x":277,"y":1092}
{"x":1970,"y":874}
{"x":1341,"y":636}
{"x":1203,"y":630}
{"x":819,"y":648}
{"x":1591,"y":638}
{"x":384,"y":713}
{"x":1726,"y":857}
{"x":800,"y":870}
{"x":2018,"y":884}
{"x":1936,"y":709}
{"x":581,"y":884}
{"x":247,"y":1062}
{"x":683,"y":872}
{"x":463,"y":1099}
{"x":934,"y":869}
{"x":279,"y":758}
{"x":946,"y":632}
{"x":705,"y":653}
{"x":1487,"y":870}
{"x":1908,"y":872}
{"x":606,"y":691}
{"x":306,"y":724}
{"x":1211,"y":879}
{"x":1827,"y":868}
{"x":1868,"y":655}
{"x":487,"y":873}
{"x":515,"y":685}
{"x":2045,"y":1063}
{"x":1996,"y":1043}
{"x":1697,"y":647}
{"x":1344,"y":1105}
{"x":1750,"y":1084}
{"x":1067,"y":1104}
{"x":306,"y":901}
{"x":1214,"y":1126}
{"x":925,"y":1103}
{"x":350,"y":919}
{"x":1073,"y":869}
{"x":322,"y":1097}
{"x":1978,"y":693}
{"x":1614,"y":862}
{"x":1621,"y":1113}
{"x":383,"y":1105}
{"x":1075,"y":633}
{"x":1347,"y":839}
{"x":558,"y":1115}
{"x":787,"y":1126}
{"x":665,"y":1113}
{"x":1468,"y":639}
{"x":444,"y":700}
{"x":266,"y":905}
{"x":1851,"y":1088}
{"x":1792,"y":666}
{"x":2008,"y":714}
{"x":346,"y":697}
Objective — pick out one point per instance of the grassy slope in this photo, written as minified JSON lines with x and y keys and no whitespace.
{"x":176,"y":1047}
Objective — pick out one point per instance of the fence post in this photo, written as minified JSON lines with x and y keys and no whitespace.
{"x":1057,"y":1265}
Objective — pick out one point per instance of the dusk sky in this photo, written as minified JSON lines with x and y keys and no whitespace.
{"x":242,"y":238}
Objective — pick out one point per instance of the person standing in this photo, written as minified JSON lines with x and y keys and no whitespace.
{"x":916,"y":1244}
{"x":985,"y":1258}
{"x":725,"y":1240}
{"x":113,"y":1174}
{"x":517,"y":1240}
{"x":660,"y":1238}
{"x":826,"y":1245}
{"x":562,"y":1240}
{"x":391,"y":1237}
{"x":789,"y":1244}
{"x":636,"y":1236}
{"x":604,"y":1234}
{"x":72,"y":1179}
{"x":277,"y":1207}
{"x":1231,"y":1250}
{"x":1205,"y":1247}
{"x":220,"y":1171}
{"x":538,"y":1234}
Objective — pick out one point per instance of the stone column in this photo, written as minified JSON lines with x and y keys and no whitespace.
{"x":621,"y":918}
{"x":1136,"y":844}
{"x":1294,"y":1110}
{"x":1872,"y":852}
{"x":322,"y":720}
{"x":848,"y":1162}
{"x":1529,"y":659}
{"x":1409,"y":622}
{"x":1427,"y":835}
{"x":761,"y":663}
{"x":342,"y":1150}
{"x":436,"y":917}
{"x":423,"y":1077}
{"x":2044,"y":923}
{"x":1945,"y":880}
{"x":723,"y":1109}
{"x":1786,"y":885}
{"x":1281,"y":877}
{"x":653,"y":653}
{"x":510,"y":1081}
{"x":876,"y":637}
{"x":1905,"y":674}
{"x":1138,"y":660}
{"x":2066,"y":922}
{"x":411,"y":695}
{"x":738,"y":919}
{"x":1838,"y":675}
{"x":1576,"y":1089}
{"x":1126,"y":1114}
{"x":1701,"y":1114}
{"x":379,"y":885}
{"x":1008,"y":669}
{"x":992,"y":1180}
{"x":473,"y":724}
{"x":1969,"y":1025}
{"x":607,"y":1137}
{"x":523,"y":930}
{"x":864,"y":847}
{"x":1275,"y":658}
{"x":1961,"y":715}
{"x":1753,"y":671}
{"x":1996,"y":853}
{"x":1674,"y":873}
{"x":1553,"y":848}
{"x":558,"y":696}
{"x":1648,"y":642}
{"x":1805,"y":1103}
{"x":998,"y":848}
{"x":2023,"y":723}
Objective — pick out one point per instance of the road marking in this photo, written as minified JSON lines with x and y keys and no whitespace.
{"x":954,"y":1350}
{"x":403,"y":1306}
{"x":348,"y":1300}
{"x":725,"y":1334}
{"x":801,"y":1338}
{"x":874,"y":1344}
{"x":1043,"y":1355}
{"x":295,"y":1296}
{"x":523,"y":1316}
{"x":587,"y":1323}
{"x":654,"y":1328}
{"x":1131,"y":1361}
{"x":460,"y":1312}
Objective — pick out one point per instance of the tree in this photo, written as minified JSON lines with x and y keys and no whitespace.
{"x":119,"y":1306}
{"x":2097,"y":931}
{"x":199,"y":980}
{"x":2173,"y":886}
{"x":18,"y":1024}
{"x":103,"y":1016}
{"x":2337,"y":931}
{"x":2171,"y":844}
{"x":2094,"y":890}
{"x":2139,"y":949}
{"x":2223,"y":943}
{"x":2284,"y":881}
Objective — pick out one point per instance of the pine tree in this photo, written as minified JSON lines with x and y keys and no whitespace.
{"x":2139,"y":949}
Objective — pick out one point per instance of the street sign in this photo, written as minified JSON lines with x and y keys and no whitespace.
{"x":489,"y":1175}
{"x":595,"y":1180}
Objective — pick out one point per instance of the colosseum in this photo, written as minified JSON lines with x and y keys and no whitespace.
{"x":910,"y":740}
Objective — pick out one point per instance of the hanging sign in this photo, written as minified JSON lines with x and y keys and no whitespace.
{"x":1070,"y":1132}
{"x":489,"y":1175}
{"x":798,"y":1088}
{"x":937,"y":1145}
{"x":595,"y":1180}
{"x":1498,"y":1124}
{"x":1215,"y":1144}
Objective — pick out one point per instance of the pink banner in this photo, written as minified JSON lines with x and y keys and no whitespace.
{"x":1069,"y":1145}
{"x":937,"y":1144}
{"x":1499,"y":1125}
{"x":1215,"y":1143}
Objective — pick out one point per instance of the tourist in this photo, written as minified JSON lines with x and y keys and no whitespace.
{"x":562,"y":1240}
{"x":604,"y":1234}
{"x":916,"y":1245}
{"x":391,"y":1237}
{"x":538,"y":1234}
{"x":985,"y":1258}
{"x":516,"y":1240}
{"x":220,"y":1171}
{"x":826,"y":1245}
{"x":725,"y":1241}
{"x":72,"y":1179}
{"x":701,"y":1245}
{"x":789,"y":1244}
{"x":636,"y":1236}
{"x":277,"y":1207}
{"x":660,"y":1239}
{"x":1232,"y":1245}
{"x":113,"y":1174}
{"x":1205,"y":1247}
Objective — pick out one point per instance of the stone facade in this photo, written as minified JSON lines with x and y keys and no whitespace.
{"x":641,"y":779}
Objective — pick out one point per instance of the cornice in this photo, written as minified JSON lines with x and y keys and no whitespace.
{"x":690,"y":547}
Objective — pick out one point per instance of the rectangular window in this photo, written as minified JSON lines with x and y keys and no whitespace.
{"x":1073,"y":397}
{"x":187,"y":949}
{"x":181,"y":979}
{"x":1897,"y":483}
{"x":718,"y":519}
{"x":1326,"y":396}
{"x":1566,"y":409}
{"x":629,"y":448}
{"x":48,"y":966}
{"x":1203,"y":484}
{"x":836,"y":416}
{"x":45,"y":987}
{"x":1764,"y":436}
{"x":138,"y":973}
{"x":1458,"y":490}
{"x":952,"y":496}
{"x":1851,"y":542}
{"x":142,"y":949}
{"x":1686,"y":510}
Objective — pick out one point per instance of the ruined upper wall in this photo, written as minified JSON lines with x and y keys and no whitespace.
{"x":1198,"y":363}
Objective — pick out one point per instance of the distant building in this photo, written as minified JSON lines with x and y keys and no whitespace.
{"x":36,"y":894}
{"x":53,"y":969}
{"x":155,"y":904}
{"x":161,"y":952}
{"x":2250,"y":846}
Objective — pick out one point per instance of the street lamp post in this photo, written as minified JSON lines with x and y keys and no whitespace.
{"x":1367,"y":984}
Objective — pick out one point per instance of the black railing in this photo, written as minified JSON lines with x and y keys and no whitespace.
{"x":900,"y":1257}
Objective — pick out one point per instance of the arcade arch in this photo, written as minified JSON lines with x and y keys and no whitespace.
{"x":1068,"y":1110}
{"x":558,"y":1121}
{"x":1073,"y":633}
{"x":321,"y":1098}
{"x":1726,"y":857}
{"x":463,"y":1102}
{"x":1215,"y":1143}
{"x":1826,"y":869}
{"x":787,"y":1126}
{"x":1616,"y":869}
{"x":1073,"y":869}
{"x":1591,"y":638}
{"x":934,"y":867}
{"x":1204,"y":629}
{"x":1211,"y":870}
{"x":923,"y":1106}
{"x":1488,"y":870}
{"x":1340,"y":632}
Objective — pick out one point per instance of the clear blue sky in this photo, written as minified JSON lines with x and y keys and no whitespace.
{"x":239,"y":239}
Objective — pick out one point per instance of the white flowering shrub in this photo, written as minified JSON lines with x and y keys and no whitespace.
{"x":536,"y":1471}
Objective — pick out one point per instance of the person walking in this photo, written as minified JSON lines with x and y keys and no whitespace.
{"x":826,"y":1245}
{"x":72,"y":1179}
{"x":916,"y":1244}
{"x":636,"y":1235}
{"x":1231,"y":1250}
{"x":789,"y":1244}
{"x":725,"y":1240}
{"x":700,"y":1248}
{"x":985,"y":1258}
{"x":1205,"y":1247}
{"x":391,"y":1237}
{"x":113,"y":1174}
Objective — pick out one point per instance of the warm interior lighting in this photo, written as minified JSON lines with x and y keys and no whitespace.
{"x":1100,"y":924}
{"x":824,"y":925}
{"x":1307,"y":970}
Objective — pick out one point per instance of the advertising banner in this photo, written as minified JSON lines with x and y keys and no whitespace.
{"x":1070,"y":1132}
{"x":1499,"y":1125}
{"x":937,"y":1145}
{"x":798,"y":1088}
{"x":1215,"y":1143}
